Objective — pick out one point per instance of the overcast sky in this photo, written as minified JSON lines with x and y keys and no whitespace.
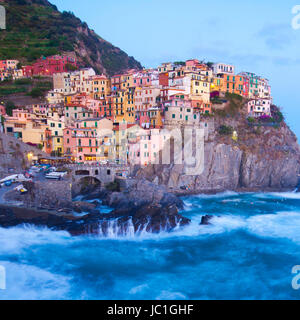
{"x":255,"y":36}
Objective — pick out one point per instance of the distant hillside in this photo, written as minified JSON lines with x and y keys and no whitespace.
{"x":36,"y":27}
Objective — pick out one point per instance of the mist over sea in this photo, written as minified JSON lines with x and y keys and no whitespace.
{"x":247,"y":253}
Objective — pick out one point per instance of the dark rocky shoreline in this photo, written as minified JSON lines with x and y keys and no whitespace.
{"x":143,"y":207}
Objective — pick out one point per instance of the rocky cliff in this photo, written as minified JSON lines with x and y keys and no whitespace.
{"x":14,"y":155}
{"x":262,"y":158}
{"x":142,"y":208}
{"x":36,"y":28}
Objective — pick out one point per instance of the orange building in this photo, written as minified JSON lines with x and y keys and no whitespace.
{"x":233,"y":84}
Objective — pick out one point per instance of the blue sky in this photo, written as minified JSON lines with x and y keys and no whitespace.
{"x":256,"y":36}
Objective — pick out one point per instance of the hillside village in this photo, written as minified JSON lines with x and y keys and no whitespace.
{"x":90,"y":118}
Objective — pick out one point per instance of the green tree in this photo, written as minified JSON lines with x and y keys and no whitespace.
{"x":9,"y":107}
{"x":225,"y":130}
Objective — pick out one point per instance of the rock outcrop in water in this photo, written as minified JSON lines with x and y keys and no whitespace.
{"x":205,"y":220}
{"x":121,"y":223}
{"x":142,"y":207}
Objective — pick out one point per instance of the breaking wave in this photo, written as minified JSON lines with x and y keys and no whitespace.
{"x":224,"y":260}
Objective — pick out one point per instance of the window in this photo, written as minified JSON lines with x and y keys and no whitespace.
{"x":173,"y":116}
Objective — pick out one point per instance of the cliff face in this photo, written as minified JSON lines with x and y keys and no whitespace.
{"x":263,"y":158}
{"x":36,"y":28}
{"x":13,"y":155}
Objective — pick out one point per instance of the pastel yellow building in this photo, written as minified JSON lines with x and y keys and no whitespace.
{"x":129,"y":108}
{"x":56,"y":124}
{"x":200,"y":88}
{"x":100,"y":87}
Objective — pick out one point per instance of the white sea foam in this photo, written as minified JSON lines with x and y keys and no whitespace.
{"x":232,"y":200}
{"x":280,"y":225}
{"x":13,"y":240}
{"x":225,"y":194}
{"x":138,"y":289}
{"x":285,"y":195}
{"x":168,"y":295}
{"x":25,"y":282}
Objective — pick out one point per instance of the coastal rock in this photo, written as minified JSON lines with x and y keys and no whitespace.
{"x":205,"y":220}
{"x":120,"y":223}
{"x":141,"y":193}
{"x":81,"y":206}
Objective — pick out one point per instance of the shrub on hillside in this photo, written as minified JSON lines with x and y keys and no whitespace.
{"x":24,"y":81}
{"x":265,"y":118}
{"x":36,"y":93}
{"x":276,"y":114}
{"x":9,"y":107}
{"x":225,"y":130}
{"x":235,"y":96}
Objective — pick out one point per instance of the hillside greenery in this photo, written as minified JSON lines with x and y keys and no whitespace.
{"x":31,"y":87}
{"x":36,"y":28}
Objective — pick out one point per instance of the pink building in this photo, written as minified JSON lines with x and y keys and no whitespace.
{"x":192,"y":63}
{"x":50,"y":65}
{"x":81,"y":145}
{"x":145,"y":98}
{"x":259,"y":107}
{"x":144,"y":79}
{"x":21,"y":114}
{"x":146,"y":147}
{"x":8,"y":65}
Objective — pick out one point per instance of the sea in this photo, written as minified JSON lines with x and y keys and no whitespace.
{"x":248,"y":252}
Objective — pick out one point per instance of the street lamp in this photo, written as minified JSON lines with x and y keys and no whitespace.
{"x":30,"y":156}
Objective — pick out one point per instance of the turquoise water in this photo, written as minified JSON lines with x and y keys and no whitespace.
{"x":248,"y":253}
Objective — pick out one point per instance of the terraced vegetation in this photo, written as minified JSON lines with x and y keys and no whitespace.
{"x":36,"y":28}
